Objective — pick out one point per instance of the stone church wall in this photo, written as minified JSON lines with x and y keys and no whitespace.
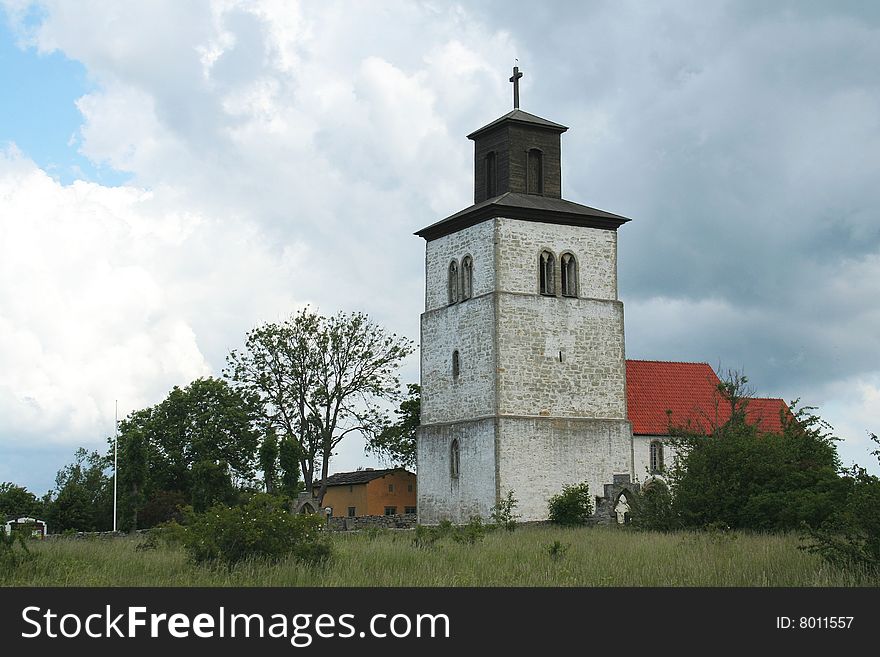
{"x":642,"y":456}
{"x":538,"y":456}
{"x":476,"y":242}
{"x":442,"y":496}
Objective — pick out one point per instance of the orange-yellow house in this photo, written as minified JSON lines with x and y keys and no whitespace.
{"x":370,"y":492}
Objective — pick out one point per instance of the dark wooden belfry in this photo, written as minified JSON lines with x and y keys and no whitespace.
{"x":519,"y":153}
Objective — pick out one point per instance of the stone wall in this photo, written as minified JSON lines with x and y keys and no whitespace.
{"x":399,"y":521}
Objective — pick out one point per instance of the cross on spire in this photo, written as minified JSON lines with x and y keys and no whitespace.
{"x":515,"y":79}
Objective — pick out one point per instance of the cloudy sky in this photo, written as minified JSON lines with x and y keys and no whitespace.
{"x":174,"y":173}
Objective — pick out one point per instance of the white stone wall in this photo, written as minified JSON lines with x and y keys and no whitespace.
{"x":642,"y":456}
{"x":590,"y":381}
{"x":477,"y":242}
{"x":469,"y":328}
{"x":521,"y":243}
{"x":472,"y":493}
{"x":537,"y":457}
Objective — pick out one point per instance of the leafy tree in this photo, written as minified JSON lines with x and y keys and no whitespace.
{"x":744,"y":478}
{"x":288,"y":462}
{"x":396,"y":443}
{"x":18,"y":501}
{"x":269,"y":461}
{"x":84,"y":501}
{"x":200,"y":441}
{"x":320,"y":379}
{"x":851,"y":537}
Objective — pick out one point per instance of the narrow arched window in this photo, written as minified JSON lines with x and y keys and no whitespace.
{"x":453,"y":282}
{"x":569,"y":275}
{"x":491,"y":175}
{"x":454,"y":462}
{"x":535,"y":172}
{"x":456,"y":364}
{"x":547,"y":273}
{"x":467,"y":277}
{"x":656,"y":460}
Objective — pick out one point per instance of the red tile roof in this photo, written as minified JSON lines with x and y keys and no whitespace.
{"x":686,"y":394}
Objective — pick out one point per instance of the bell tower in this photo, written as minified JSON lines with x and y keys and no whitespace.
{"x":522,"y":342}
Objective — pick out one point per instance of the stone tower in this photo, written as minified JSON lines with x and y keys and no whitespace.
{"x":523,"y":367}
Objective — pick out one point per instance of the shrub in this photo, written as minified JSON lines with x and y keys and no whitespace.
{"x":652,"y":508}
{"x":572,"y":506}
{"x":473,"y":532}
{"x":261,"y":528}
{"x":557,"y":550}
{"x":10,"y":556}
{"x":502,"y":513}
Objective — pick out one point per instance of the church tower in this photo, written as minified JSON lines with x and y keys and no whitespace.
{"x":523,"y":368}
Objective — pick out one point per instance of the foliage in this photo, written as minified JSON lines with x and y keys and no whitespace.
{"x":163,"y":506}
{"x":472,"y":532}
{"x":201,"y":440}
{"x":652,"y":508}
{"x":268,"y":456}
{"x":573,"y":506}
{"x":396,"y":443}
{"x":503,"y":512}
{"x":288,"y":462}
{"x":10,"y":557}
{"x":851,"y":537}
{"x":426,"y":536}
{"x":261,"y":528}
{"x":84,"y":500}
{"x":19,"y":501}
{"x":744,"y":478}
{"x":319,"y":379}
{"x":557,"y":549}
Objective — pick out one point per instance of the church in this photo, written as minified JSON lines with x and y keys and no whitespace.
{"x":523,"y":364}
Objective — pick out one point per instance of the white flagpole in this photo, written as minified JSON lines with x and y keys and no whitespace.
{"x":115,"y":443}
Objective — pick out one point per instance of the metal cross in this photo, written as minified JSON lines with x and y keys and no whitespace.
{"x":515,"y":79}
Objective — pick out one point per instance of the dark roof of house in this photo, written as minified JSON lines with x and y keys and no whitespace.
{"x":358,"y":476}
{"x":518,"y":116}
{"x":664,"y":393}
{"x":529,"y":207}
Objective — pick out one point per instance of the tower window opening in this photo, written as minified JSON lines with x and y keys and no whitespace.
{"x":569,"y":275}
{"x":491,"y":175}
{"x":467,"y":277}
{"x":535,"y":172}
{"x":456,"y":367}
{"x":453,"y":282}
{"x":454,"y":462}
{"x":547,"y":273}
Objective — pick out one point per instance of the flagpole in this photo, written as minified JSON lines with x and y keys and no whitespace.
{"x":115,"y":444}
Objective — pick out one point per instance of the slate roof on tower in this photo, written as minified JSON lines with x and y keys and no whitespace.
{"x":661,"y":392}
{"x":518,"y":116}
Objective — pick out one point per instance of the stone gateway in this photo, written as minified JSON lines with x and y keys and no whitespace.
{"x":523,"y":367}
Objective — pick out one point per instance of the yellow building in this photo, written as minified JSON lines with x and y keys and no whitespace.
{"x":370,"y":492}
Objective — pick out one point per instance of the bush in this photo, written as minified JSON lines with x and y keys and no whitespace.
{"x":572,"y":506}
{"x":261,"y":528}
{"x":502,"y":513}
{"x":10,"y":556}
{"x":652,"y":509}
{"x":852,"y":536}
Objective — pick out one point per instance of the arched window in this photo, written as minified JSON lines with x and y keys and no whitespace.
{"x":456,"y":364}
{"x":454,"y":461}
{"x":569,"y":271}
{"x":547,"y":273}
{"x":491,"y":175}
{"x":453,"y":282}
{"x":535,"y":172}
{"x":467,"y":277}
{"x":656,"y":457}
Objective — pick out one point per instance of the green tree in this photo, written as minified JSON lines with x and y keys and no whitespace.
{"x":396,"y":443}
{"x":268,"y":457}
{"x":745,"y":478}
{"x":288,"y":462}
{"x":200,"y":441}
{"x":320,"y":379}
{"x":84,"y":500}
{"x":19,"y":501}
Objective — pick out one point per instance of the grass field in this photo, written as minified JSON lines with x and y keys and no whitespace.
{"x":590,"y":557}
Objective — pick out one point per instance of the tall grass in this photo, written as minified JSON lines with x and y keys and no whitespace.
{"x":595,"y":557}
